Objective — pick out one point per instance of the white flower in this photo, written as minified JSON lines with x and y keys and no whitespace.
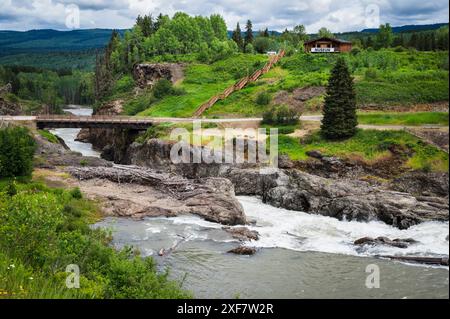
{"x":31,"y":278}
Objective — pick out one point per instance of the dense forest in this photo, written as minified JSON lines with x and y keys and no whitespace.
{"x":51,"y":88}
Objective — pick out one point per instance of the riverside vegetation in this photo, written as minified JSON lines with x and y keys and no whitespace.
{"x":43,"y":229}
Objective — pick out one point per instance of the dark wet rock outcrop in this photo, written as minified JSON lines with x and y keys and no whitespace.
{"x":112,"y":143}
{"x":353,"y":200}
{"x":242,"y":233}
{"x":147,"y":74}
{"x":422,"y":184}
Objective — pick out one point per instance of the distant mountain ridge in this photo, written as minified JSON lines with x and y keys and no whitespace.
{"x":49,"y":40}
{"x":410,"y":28}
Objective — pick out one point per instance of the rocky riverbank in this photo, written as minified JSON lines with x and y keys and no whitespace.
{"x":412,"y":198}
{"x":409,"y":199}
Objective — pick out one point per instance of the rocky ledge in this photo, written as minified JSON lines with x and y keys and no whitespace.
{"x":170,"y":195}
{"x":408,"y":200}
{"x":351,"y":200}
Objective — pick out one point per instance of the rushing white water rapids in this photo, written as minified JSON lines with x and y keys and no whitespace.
{"x":299,"y":255}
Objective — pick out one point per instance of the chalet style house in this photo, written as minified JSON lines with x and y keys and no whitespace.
{"x":327,"y":45}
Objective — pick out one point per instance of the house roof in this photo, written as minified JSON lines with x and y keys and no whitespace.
{"x":328,"y":39}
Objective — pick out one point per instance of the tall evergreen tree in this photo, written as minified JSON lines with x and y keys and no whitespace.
{"x":339,"y":112}
{"x":249,"y":33}
{"x":266,"y":33}
{"x":237,"y":37}
{"x":103,"y":77}
{"x":146,"y":24}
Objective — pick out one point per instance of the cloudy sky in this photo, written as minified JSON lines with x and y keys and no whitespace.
{"x":337,"y":15}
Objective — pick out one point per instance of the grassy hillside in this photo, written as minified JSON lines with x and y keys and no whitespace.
{"x":383,"y":79}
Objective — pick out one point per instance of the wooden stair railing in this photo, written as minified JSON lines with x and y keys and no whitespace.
{"x":240,"y":84}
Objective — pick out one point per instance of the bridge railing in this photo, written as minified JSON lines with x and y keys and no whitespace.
{"x":93,"y":118}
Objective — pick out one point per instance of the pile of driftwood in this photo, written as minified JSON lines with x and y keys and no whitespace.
{"x":177,"y":186}
{"x":211,"y":198}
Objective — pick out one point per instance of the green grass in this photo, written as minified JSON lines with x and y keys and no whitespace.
{"x":399,"y":78}
{"x":409,"y":119}
{"x":201,"y":82}
{"x":48,"y":136}
{"x":368,"y":145}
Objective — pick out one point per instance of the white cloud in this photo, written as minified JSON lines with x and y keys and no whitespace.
{"x":337,"y":15}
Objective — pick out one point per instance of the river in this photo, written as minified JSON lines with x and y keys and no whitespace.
{"x":299,"y":255}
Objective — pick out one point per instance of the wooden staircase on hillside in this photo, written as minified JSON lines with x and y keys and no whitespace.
{"x":240,"y":84}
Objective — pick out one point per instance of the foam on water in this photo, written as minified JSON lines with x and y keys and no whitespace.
{"x":281,"y":228}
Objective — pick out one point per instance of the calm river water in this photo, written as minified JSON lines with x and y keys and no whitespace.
{"x":299,"y":255}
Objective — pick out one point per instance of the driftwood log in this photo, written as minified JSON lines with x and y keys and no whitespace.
{"x":421,"y":260}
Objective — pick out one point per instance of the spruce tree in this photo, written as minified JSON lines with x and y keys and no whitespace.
{"x":237,"y":37}
{"x":249,"y":33}
{"x":339,"y":112}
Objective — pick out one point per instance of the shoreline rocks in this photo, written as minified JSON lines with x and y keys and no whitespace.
{"x":242,"y":233}
{"x":210,"y":198}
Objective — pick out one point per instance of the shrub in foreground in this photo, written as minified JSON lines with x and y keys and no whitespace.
{"x":16,"y":152}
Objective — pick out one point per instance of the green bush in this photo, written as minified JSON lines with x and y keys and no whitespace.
{"x":371,"y":74}
{"x":281,"y":115}
{"x":162,"y":88}
{"x":261,"y":44}
{"x":76,"y":193}
{"x":16,"y":152}
{"x":11,"y":189}
{"x":84,"y":163}
{"x":263,"y":98}
{"x":124,"y":84}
